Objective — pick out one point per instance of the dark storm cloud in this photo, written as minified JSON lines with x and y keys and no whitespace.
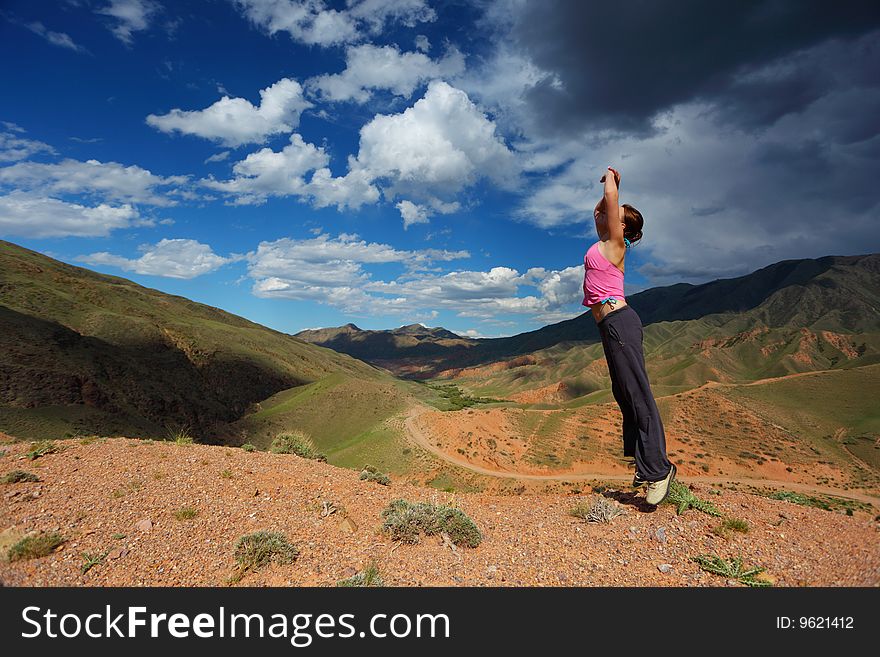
{"x":621,"y":64}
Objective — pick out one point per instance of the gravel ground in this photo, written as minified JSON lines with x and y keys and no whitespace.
{"x":119,"y":496}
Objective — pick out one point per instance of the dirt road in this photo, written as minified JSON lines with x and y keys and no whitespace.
{"x":415,"y":434}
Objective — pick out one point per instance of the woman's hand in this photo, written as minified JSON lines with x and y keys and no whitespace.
{"x":616,"y":177}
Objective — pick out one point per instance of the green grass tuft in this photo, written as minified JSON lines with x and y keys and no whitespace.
{"x":296,"y":442}
{"x":682,"y":497}
{"x":41,"y":448}
{"x":180,"y":435}
{"x":186,"y":513}
{"x":405,"y":521}
{"x":249,"y":448}
{"x":18,"y":476}
{"x":254,"y":551}
{"x":369,"y":576}
{"x":33,"y":547}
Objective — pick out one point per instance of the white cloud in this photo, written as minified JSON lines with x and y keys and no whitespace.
{"x":26,"y":215}
{"x":412,"y":213}
{"x":434,"y":149}
{"x":60,"y":39}
{"x":369,"y":67}
{"x":312,"y":22}
{"x":107,"y":180}
{"x":129,"y":16}
{"x":422,"y":43}
{"x":331,"y":270}
{"x":171,"y":258}
{"x":218,"y":157}
{"x":425,"y":156}
{"x":236,"y":121}
{"x":14,"y":147}
{"x":268,"y":173}
{"x":334,"y":272}
{"x":352,"y":190}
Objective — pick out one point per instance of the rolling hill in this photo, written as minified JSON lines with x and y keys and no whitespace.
{"x":88,"y":353}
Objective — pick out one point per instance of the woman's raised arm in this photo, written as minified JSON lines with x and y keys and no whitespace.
{"x":612,"y":208}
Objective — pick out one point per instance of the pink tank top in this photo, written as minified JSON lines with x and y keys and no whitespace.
{"x":601,"y":278}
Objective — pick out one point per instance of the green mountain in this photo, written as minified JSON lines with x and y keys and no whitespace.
{"x":88,"y":353}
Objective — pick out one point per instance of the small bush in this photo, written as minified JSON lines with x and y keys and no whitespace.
{"x":254,"y":551}
{"x":682,"y":497}
{"x":369,"y":473}
{"x":18,"y":476}
{"x":186,"y":513}
{"x":226,"y":474}
{"x":369,"y":576}
{"x":33,"y":547}
{"x":41,"y":448}
{"x":601,"y":509}
{"x":297,"y":443}
{"x":732,"y":569}
{"x":405,"y":521}
{"x":249,"y":448}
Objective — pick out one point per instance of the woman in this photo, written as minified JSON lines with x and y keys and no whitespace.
{"x":619,"y":227}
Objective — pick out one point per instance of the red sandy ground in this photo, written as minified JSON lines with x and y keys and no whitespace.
{"x":89,"y":493}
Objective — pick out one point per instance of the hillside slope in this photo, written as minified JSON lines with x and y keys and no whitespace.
{"x":123,"y":499}
{"x":88,"y":353}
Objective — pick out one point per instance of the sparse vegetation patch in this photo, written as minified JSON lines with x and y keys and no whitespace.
{"x":369,"y":576}
{"x":18,"y":476}
{"x":42,"y":447}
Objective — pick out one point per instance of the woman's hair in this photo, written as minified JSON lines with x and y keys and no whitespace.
{"x":633,"y":223}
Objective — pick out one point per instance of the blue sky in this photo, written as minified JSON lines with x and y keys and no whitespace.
{"x":308,"y":164}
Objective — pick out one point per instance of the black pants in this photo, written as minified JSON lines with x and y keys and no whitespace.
{"x":643,"y":435}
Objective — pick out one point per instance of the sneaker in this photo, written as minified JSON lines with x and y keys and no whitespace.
{"x":638,"y":481}
{"x":658,"y":490}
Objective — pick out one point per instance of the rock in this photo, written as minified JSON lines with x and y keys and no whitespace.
{"x":348,"y":525}
{"x":144,"y":525}
{"x":732,"y":582}
{"x":664,"y":567}
{"x":660,"y":534}
{"x":349,"y":572}
{"x":117,"y":553}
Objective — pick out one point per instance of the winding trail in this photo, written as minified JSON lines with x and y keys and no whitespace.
{"x":415,"y":434}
